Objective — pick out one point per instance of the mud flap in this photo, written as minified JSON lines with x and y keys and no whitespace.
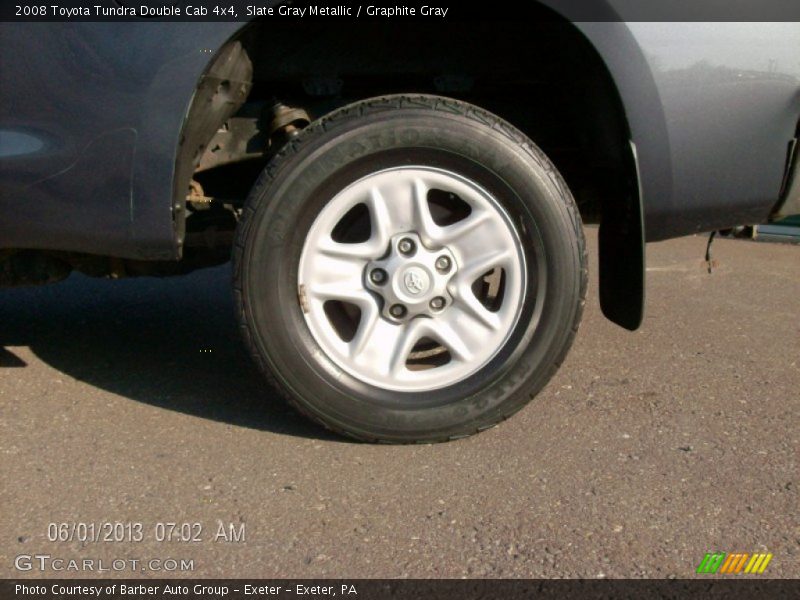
{"x":622,"y":258}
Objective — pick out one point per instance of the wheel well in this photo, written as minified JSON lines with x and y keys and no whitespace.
{"x":542,"y":76}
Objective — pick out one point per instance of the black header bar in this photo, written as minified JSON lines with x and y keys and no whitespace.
{"x":451,"y":10}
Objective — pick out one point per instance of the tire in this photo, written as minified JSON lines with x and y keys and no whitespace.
{"x":292,"y":250}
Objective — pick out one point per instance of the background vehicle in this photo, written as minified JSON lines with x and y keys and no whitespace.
{"x":783,"y":230}
{"x":409,"y":261}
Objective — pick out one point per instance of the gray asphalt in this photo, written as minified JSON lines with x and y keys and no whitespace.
{"x":134,"y":401}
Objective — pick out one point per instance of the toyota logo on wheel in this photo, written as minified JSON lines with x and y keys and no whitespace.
{"x":415,"y":281}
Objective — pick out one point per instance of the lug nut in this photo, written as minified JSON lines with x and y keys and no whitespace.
{"x":406,"y":246}
{"x":378,"y":276}
{"x":398,"y":311}
{"x":443,"y":264}
{"x":437,"y":303}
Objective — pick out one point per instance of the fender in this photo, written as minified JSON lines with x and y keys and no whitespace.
{"x":621,"y":238}
{"x":622,"y":232}
{"x":95,"y":95}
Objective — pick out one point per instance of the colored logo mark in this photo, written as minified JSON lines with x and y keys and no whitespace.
{"x":731,"y":564}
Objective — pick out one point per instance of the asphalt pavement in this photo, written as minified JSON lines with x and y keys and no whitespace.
{"x":133,"y":402}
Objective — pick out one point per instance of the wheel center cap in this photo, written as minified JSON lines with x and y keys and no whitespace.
{"x":411,"y":279}
{"x":416,"y":281}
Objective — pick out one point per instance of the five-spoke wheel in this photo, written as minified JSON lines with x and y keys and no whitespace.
{"x":412,"y":282}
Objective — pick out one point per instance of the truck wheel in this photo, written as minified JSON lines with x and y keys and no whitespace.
{"x":409,"y":269}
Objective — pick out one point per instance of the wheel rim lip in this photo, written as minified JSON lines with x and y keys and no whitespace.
{"x":423,"y":380}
